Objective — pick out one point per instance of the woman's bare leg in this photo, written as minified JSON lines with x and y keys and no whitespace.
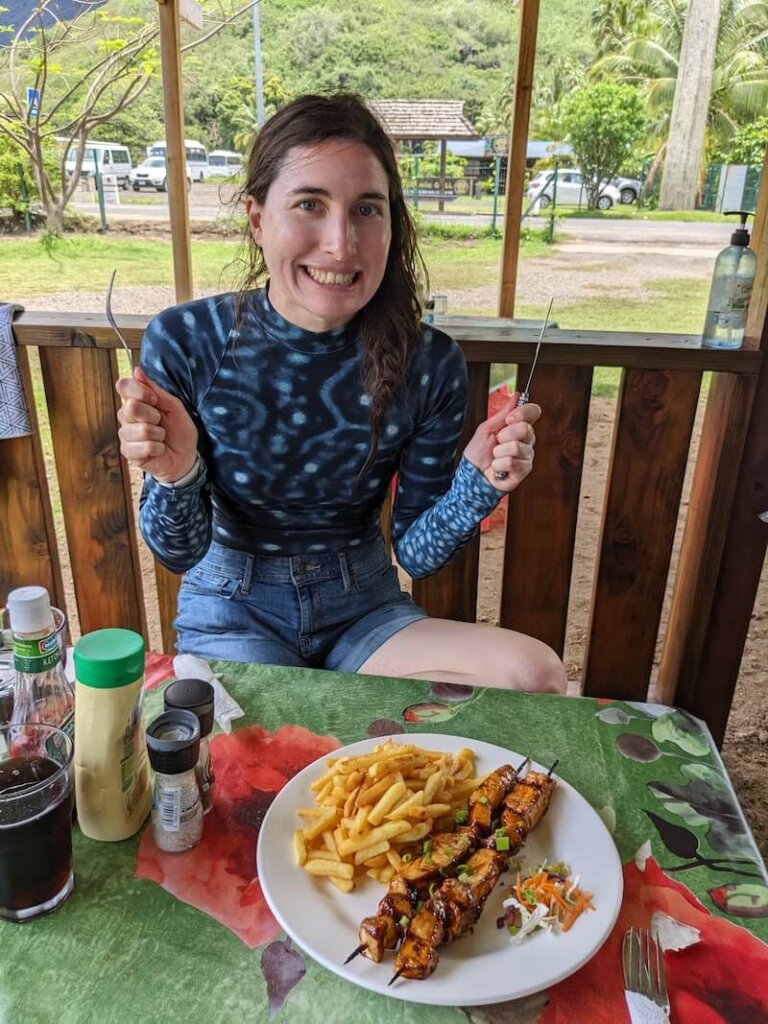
{"x":468,"y":652}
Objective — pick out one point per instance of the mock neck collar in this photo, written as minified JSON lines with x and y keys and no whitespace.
{"x":297,"y":338}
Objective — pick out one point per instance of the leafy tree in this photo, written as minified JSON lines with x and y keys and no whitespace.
{"x":14,"y":168}
{"x":648,"y":56}
{"x":603,"y":121}
{"x":748,"y":144}
{"x":429,"y":164}
{"x":87,"y":72}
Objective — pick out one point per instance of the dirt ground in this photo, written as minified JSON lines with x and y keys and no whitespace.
{"x":571,"y":272}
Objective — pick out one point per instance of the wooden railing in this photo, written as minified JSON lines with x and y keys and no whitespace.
{"x":658,"y":395}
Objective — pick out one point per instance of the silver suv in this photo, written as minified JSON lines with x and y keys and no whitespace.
{"x":570,"y":189}
{"x":629,"y":189}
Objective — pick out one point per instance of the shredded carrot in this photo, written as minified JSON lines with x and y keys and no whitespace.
{"x":550,"y":891}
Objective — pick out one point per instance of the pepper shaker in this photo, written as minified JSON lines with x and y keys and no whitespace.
{"x":197,"y":696}
{"x":173,"y":742}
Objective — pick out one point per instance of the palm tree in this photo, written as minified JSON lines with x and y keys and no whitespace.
{"x":739,"y":83}
{"x":688,"y":122}
{"x":613,"y":20}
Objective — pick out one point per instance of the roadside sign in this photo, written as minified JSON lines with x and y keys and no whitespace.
{"x":500,"y":145}
{"x":33,"y":101}
{"x":191,"y":12}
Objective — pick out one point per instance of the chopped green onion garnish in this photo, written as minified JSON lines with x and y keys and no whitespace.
{"x":403,"y":922}
{"x":500,"y":832}
{"x":502,"y":842}
{"x":406,"y":857}
{"x":460,"y":817}
{"x":420,"y":905}
{"x":482,"y":800}
{"x":512,"y":929}
{"x":432,"y":887}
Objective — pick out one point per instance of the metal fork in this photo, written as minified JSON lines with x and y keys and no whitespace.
{"x":643,"y":961}
{"x":112,"y":322}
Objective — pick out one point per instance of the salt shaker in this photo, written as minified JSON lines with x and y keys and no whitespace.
{"x":173,"y":742}
{"x":197,"y":696}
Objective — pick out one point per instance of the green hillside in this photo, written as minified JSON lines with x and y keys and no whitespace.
{"x":454,"y":49}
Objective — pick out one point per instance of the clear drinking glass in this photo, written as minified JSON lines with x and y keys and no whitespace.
{"x":7,"y":683}
{"x":36,"y":799}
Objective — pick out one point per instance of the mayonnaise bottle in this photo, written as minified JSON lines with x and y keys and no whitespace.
{"x":112,"y":785}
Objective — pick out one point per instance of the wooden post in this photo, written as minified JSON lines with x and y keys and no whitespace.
{"x":175,"y":152}
{"x":441,"y":183}
{"x":725,"y":541}
{"x":176,"y":163}
{"x":518,"y":147}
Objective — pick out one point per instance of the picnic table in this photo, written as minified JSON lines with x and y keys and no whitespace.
{"x":156,"y":937}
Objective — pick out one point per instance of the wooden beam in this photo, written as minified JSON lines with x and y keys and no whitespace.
{"x":441,"y":181}
{"x":645,"y":479}
{"x":518,"y":148}
{"x":29,"y":551}
{"x":483,"y":340}
{"x":724,"y":542}
{"x":175,"y":151}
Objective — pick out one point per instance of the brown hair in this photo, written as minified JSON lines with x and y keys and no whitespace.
{"x":389,"y":323}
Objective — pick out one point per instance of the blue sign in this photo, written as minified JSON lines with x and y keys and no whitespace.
{"x":33,"y":101}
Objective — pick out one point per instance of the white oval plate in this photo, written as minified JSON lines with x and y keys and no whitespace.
{"x":479,"y":968}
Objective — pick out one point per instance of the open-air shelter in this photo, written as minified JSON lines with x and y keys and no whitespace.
{"x":425,"y":121}
{"x":724,"y":542}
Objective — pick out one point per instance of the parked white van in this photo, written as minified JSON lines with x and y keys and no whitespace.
{"x":197,"y":157}
{"x":225,"y":162}
{"x":111,"y":157}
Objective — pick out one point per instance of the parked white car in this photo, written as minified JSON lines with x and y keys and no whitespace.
{"x":570,"y":189}
{"x":152,"y":173}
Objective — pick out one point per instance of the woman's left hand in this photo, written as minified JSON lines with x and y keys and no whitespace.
{"x":504,"y":444}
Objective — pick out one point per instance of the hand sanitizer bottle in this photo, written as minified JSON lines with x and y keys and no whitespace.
{"x":731,"y":290}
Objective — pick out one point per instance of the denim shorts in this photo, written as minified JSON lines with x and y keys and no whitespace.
{"x":327,"y":611}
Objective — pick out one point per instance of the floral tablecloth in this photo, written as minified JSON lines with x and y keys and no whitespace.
{"x":152,"y":937}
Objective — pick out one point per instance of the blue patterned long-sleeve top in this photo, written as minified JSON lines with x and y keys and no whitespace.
{"x":284,"y":430}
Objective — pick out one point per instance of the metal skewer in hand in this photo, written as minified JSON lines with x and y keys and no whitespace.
{"x":524,"y":394}
{"x":112,"y":322}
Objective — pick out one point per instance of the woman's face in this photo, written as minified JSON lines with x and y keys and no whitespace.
{"x":325,"y":231}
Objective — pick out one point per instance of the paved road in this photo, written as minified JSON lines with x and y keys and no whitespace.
{"x":658,"y":236}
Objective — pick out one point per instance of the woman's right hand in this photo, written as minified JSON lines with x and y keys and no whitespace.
{"x":156,"y":431}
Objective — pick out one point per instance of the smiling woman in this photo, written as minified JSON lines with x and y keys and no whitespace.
{"x":270,"y":422}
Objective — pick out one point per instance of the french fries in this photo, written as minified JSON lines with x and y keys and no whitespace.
{"x":370,"y":811}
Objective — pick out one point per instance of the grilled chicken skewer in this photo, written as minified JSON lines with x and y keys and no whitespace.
{"x":446,"y":850}
{"x":457,"y":904}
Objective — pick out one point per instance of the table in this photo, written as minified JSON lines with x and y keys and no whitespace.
{"x":124,"y":948}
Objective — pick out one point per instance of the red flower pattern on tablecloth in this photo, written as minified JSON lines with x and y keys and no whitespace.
{"x":157,"y":668}
{"x":722,"y":979}
{"x":219,"y":875}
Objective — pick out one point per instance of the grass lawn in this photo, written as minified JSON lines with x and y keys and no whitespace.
{"x":484,"y":206}
{"x":85,"y":262}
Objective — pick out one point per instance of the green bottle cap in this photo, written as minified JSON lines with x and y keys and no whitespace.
{"x":108,"y":658}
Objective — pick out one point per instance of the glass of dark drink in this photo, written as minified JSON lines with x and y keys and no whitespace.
{"x":36,"y":797}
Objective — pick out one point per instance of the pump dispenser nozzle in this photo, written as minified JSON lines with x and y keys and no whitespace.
{"x":740,"y":236}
